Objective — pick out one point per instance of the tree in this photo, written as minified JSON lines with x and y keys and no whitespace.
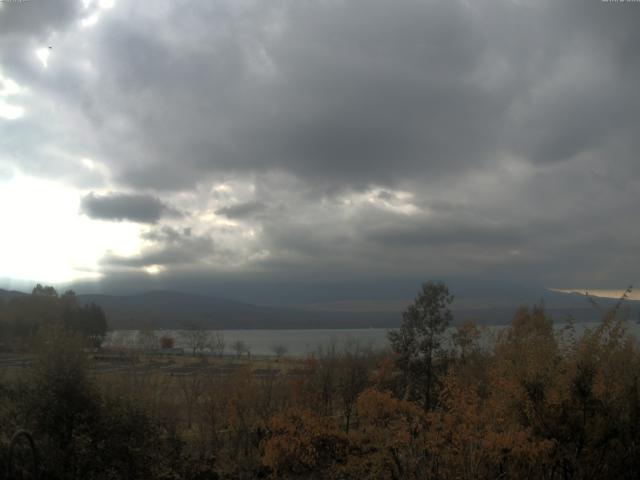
{"x":196,"y":338}
{"x":389,"y":442}
{"x":325,"y":376}
{"x":239,"y":347}
{"x":24,"y":314}
{"x":83,"y":432}
{"x":302,"y":444}
{"x":465,"y":339}
{"x":62,"y":398}
{"x":147,"y":338}
{"x":191,"y":388}
{"x":353,"y":373}
{"x":218,"y":343}
{"x":167,"y":342}
{"x":419,"y":340}
{"x":46,"y":291}
{"x":95,"y":327}
{"x":279,"y":350}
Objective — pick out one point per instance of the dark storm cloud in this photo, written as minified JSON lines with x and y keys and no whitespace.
{"x":242,"y":210}
{"x":446,"y":233}
{"x":353,"y":93}
{"x":350,"y":101}
{"x":167,"y":235}
{"x":124,"y":206}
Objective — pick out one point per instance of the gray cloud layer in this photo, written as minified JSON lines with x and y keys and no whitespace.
{"x":124,"y":206}
{"x":242,"y":210}
{"x":495,"y":140}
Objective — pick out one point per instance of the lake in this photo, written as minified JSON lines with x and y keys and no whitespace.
{"x":262,"y":342}
{"x":304,"y":342}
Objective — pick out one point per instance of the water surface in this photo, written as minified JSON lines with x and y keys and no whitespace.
{"x":304,"y":342}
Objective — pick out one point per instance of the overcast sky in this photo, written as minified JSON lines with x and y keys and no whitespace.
{"x":302,"y":151}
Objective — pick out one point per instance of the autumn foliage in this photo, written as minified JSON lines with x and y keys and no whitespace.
{"x":534,"y":402}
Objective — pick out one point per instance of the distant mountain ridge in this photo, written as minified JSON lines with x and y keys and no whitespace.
{"x":9,"y":294}
{"x":174,"y":309}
